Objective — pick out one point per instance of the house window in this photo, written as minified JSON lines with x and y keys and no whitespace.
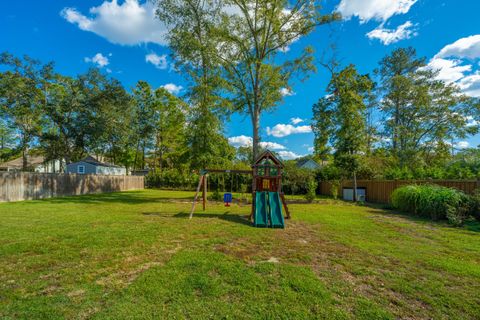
{"x":81,"y":169}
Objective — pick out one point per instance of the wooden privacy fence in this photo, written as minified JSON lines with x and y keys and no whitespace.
{"x":17,"y":186}
{"x":379,"y":191}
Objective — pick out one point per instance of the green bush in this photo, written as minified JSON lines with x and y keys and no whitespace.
{"x":171,"y":178}
{"x":216,"y":196}
{"x":311,"y":190}
{"x":335,"y":185}
{"x":475,"y":204}
{"x":434,"y":202}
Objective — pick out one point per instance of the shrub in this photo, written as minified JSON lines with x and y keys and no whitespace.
{"x":311,"y":188}
{"x":335,"y":185}
{"x":216,"y":196}
{"x":475,"y":204}
{"x":434,"y":202}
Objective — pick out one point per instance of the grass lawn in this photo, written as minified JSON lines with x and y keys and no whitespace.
{"x":136,"y":255}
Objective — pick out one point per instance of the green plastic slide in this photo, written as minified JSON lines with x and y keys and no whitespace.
{"x":260,"y":219}
{"x":268,"y":210}
{"x":276,"y":214}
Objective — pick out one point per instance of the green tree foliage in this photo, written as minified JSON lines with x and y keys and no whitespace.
{"x":8,"y":140}
{"x":344,"y":111}
{"x":87,"y":114}
{"x":208,"y":148}
{"x":407,"y":131}
{"x":248,"y":56}
{"x":322,"y":129}
{"x":421,"y":113}
{"x":246,"y":59}
{"x":170,"y":129}
{"x":191,"y":25}
{"x":22,"y":97}
{"x":144,"y":123}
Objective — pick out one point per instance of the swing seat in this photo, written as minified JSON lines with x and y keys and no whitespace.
{"x":227,"y":199}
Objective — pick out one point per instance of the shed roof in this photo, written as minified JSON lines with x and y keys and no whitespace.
{"x":302,"y":162}
{"x":91,"y":160}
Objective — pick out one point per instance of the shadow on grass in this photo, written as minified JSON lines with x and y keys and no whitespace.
{"x":128,"y":197}
{"x":225,"y":216}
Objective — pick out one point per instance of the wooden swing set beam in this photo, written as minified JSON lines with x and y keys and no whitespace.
{"x":205,"y":171}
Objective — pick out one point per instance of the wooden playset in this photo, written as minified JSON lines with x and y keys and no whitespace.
{"x":267,"y":195}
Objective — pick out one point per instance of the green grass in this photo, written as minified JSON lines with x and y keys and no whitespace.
{"x":136,"y":255}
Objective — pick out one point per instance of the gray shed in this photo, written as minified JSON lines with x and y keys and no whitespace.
{"x":90,"y":165}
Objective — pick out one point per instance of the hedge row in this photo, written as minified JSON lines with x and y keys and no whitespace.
{"x":436,"y":202}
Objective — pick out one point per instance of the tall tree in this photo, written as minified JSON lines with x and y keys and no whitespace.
{"x":144,"y":124}
{"x":248,"y":57}
{"x":170,"y":129}
{"x":207,"y":146}
{"x":87,"y":114}
{"x":346,"y":104}
{"x":192,"y":24}
{"x":421,"y":113}
{"x":322,"y":128}
{"x":22,"y":96}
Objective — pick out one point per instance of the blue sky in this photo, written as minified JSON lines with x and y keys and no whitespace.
{"x":123,"y":38}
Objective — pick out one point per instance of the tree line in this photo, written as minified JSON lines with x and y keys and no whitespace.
{"x":68,"y":118}
{"x":398,"y":123}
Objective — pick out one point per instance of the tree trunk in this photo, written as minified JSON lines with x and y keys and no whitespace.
{"x":24,"y":159}
{"x":160,"y":161}
{"x":256,"y":136}
{"x":24,"y":153}
{"x":143,"y":156}
{"x":136,"y":155}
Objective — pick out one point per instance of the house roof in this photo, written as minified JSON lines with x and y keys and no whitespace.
{"x":91,"y":160}
{"x":302,"y":162}
{"x":18,"y":163}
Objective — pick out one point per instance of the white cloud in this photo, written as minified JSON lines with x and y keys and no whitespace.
{"x":282,"y":130}
{"x":311,"y":149}
{"x":470,"y":84}
{"x":286,"y":92}
{"x":450,"y":70}
{"x":296,"y":120}
{"x":380,"y":10}
{"x":99,"y":59}
{"x":272,"y":145}
{"x":172,"y":88}
{"x":160,"y":62}
{"x":288,"y":155}
{"x":471,"y":122}
{"x":455,"y":63}
{"x":462,"y":145}
{"x":468,"y":47}
{"x":240,"y":141}
{"x":245,"y":141}
{"x":128,"y":23}
{"x":389,"y":36}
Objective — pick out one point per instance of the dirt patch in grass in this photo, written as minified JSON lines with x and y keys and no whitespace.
{"x":304,"y":245}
